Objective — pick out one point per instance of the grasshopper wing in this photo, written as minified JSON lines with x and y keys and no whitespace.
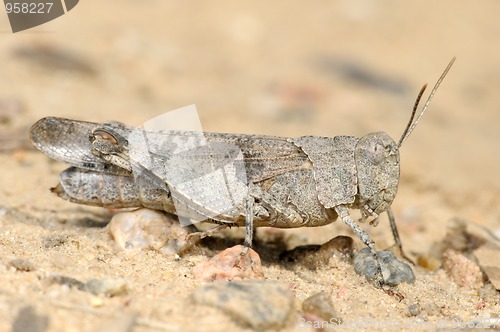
{"x":210,"y":172}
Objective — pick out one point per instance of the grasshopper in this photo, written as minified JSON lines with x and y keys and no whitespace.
{"x":233,"y":179}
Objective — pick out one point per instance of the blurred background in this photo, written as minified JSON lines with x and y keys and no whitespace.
{"x":286,"y":68}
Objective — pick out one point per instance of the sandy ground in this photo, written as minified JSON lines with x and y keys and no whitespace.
{"x":292,"y":68}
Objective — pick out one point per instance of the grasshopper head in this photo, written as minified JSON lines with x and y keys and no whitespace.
{"x":377,"y":165}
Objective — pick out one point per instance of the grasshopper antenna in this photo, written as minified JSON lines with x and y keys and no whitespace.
{"x":412,"y":124}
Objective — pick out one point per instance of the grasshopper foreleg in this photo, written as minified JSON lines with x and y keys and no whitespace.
{"x":397,"y":239}
{"x":379,"y":267}
{"x":372,"y":269}
{"x":343,"y":213}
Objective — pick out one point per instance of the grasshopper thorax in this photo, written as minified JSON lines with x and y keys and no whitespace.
{"x":377,"y":167}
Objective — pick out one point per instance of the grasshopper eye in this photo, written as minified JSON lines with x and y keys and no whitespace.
{"x":104,"y":135}
{"x":106,"y":143}
{"x":377,"y":153}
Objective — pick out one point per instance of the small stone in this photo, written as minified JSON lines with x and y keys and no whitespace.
{"x":148,"y":229}
{"x":96,"y":302}
{"x":462,"y":270}
{"x":342,"y":246}
{"x":53,"y":241}
{"x":487,"y":257}
{"x":457,"y":238}
{"x":432,"y":309}
{"x":456,"y":235}
{"x":250,"y":303}
{"x":60,"y":260}
{"x":393,"y":270}
{"x":22,"y":265}
{"x":414,"y":309}
{"x":63,"y":280}
{"x":305,"y":255}
{"x":429,"y":262}
{"x":321,"y":306}
{"x":28,"y":320}
{"x":230,"y":265}
{"x":108,"y":287}
{"x":314,"y":256}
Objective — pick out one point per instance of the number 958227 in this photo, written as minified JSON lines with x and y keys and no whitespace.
{"x":28,"y":7}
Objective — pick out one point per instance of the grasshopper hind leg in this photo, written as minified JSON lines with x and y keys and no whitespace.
{"x":195,"y":237}
{"x":249,"y":228}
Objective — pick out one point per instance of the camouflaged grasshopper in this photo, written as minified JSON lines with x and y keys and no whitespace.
{"x":236,"y":180}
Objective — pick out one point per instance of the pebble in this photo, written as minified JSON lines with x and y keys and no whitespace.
{"x":456,"y":237}
{"x":53,"y":241}
{"x":96,"y":302}
{"x":463,"y":271}
{"x":60,"y":260}
{"x":429,"y":262}
{"x":432,"y":309}
{"x":230,"y":265}
{"x":414,"y":309}
{"x":63,"y":280}
{"x":487,"y":257}
{"x":250,"y":303}
{"x":107,"y":287}
{"x":148,"y":229}
{"x":28,"y":320}
{"x":22,"y":265}
{"x":320,"y":307}
{"x":313,"y":256}
{"x":394,"y":271}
